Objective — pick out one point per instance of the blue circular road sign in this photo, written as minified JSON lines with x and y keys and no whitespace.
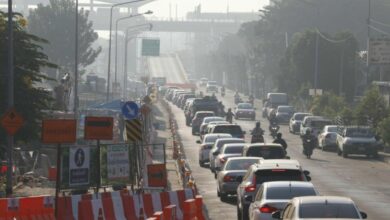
{"x":130,"y":110}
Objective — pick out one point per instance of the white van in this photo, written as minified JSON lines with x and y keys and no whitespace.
{"x":314,"y":123}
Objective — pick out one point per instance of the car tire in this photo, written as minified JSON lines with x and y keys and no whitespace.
{"x":223,"y":197}
{"x":201,"y":164}
{"x":215,"y":175}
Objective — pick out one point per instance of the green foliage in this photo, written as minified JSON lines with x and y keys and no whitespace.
{"x":29,"y":60}
{"x":329,"y":105}
{"x":56,"y":23}
{"x":372,"y":108}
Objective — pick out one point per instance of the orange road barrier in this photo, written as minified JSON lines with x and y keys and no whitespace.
{"x":199,"y":207}
{"x":141,"y":214}
{"x":189,"y":210}
{"x":158,"y":215}
{"x":100,"y":216}
{"x":170,"y":212}
{"x":128,"y":205}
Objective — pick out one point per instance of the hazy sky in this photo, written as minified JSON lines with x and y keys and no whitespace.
{"x":161,"y":7}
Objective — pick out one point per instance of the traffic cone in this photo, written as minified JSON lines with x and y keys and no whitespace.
{"x":141,"y":214}
{"x":100,"y":216}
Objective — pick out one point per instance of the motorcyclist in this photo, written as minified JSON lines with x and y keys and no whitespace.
{"x":273,"y":122}
{"x":257,"y":134}
{"x":221,"y":109}
{"x":308,"y":141}
{"x":229,"y":116}
{"x":280,"y":140}
{"x":251,"y":99}
{"x":236,"y":97}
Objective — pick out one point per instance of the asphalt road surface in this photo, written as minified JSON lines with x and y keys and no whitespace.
{"x":366,"y":181}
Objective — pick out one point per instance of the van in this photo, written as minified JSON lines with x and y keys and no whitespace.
{"x":315,"y":124}
{"x":273,"y":101}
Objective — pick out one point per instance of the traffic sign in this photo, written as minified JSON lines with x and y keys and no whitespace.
{"x":130,"y":110}
{"x":157,"y":175}
{"x":134,"y":130}
{"x":379,"y":51}
{"x":98,"y":128}
{"x":150,"y":47}
{"x":79,"y":158}
{"x":12,"y":121}
{"x":58,"y":131}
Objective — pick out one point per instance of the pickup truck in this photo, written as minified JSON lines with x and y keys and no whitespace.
{"x":356,"y":140}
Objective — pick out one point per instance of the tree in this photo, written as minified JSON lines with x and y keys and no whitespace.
{"x":384,"y":130}
{"x":56,"y":23}
{"x":29,"y":99}
{"x":372,"y":108}
{"x":329,"y":105}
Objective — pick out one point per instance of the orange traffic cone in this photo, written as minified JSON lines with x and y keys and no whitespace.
{"x":100,"y":216}
{"x":141,"y":214}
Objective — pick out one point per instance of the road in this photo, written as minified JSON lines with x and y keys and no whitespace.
{"x":366,"y":181}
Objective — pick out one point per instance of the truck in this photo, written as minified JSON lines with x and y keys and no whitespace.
{"x":356,"y":140}
{"x":272,"y":102}
{"x":207,"y":103}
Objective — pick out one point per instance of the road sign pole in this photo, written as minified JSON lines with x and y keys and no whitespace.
{"x":10,"y":100}
{"x":58,"y":178}
{"x":98,"y":168}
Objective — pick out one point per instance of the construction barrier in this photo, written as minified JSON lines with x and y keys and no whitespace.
{"x":37,"y":207}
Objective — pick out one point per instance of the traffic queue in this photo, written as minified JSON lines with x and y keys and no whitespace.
{"x":265,"y":181}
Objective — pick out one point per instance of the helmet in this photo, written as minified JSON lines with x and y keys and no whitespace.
{"x":258,"y":124}
{"x":279,"y":135}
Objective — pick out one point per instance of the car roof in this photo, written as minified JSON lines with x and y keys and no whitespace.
{"x":234,"y":144}
{"x":322,"y":200}
{"x":264,"y":145}
{"x":288,"y":184}
{"x":218,"y":135}
{"x":230,"y":139}
{"x":279,"y":164}
{"x":204,"y":112}
{"x":229,"y":125}
{"x":212,"y":117}
{"x":302,"y":113}
{"x":241,"y":158}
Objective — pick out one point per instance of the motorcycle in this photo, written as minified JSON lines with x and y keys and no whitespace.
{"x":237,"y":99}
{"x":308,"y":146}
{"x":257,"y":138}
{"x":274,"y":130}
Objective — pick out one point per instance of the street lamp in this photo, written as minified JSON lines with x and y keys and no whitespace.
{"x":109,"y":45}
{"x":116,"y":39}
{"x":125,"y":56}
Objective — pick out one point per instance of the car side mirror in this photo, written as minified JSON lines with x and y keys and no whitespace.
{"x":306,"y":172}
{"x":276,"y":215}
{"x":308,"y":178}
{"x":364,"y":215}
{"x":198,"y":142}
{"x":216,"y":153}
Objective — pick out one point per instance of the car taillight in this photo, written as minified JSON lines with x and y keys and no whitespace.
{"x":252,"y":186}
{"x":267,"y":209}
{"x":228,"y":178}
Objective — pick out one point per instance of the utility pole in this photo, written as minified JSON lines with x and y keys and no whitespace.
{"x":368,"y":39}
{"x":10,"y":101}
{"x":76,"y":63}
{"x":316,"y":65}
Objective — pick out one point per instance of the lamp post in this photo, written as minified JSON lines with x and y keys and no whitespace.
{"x":116,"y":41}
{"x":109,"y":44}
{"x":76,"y":62}
{"x":125,"y":55}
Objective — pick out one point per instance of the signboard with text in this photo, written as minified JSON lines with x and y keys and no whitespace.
{"x":59,"y":131}
{"x":150,"y":47}
{"x":379,"y":51}
{"x":157,"y":175}
{"x":118,"y":162}
{"x":79,"y":161}
{"x":98,"y":128}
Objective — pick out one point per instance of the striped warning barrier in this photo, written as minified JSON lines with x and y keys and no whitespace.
{"x":37,"y":207}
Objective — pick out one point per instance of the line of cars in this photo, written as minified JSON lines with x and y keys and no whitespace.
{"x":264,"y":180}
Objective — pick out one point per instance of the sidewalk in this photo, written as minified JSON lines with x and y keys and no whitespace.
{"x":164,"y":136}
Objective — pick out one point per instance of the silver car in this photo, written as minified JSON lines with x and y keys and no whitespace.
{"x":327,"y":138}
{"x":273,"y":196}
{"x":217,"y":147}
{"x":227,"y":151}
{"x":206,"y":121}
{"x":207,"y":144}
{"x":231,"y":174}
{"x":296,"y":120}
{"x":320,"y":207}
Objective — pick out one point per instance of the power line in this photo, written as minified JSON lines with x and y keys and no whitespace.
{"x":380,"y":23}
{"x":379,"y":30}
{"x":330,"y":40}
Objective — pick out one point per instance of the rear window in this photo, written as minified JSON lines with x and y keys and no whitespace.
{"x":286,"y":109}
{"x":328,"y":211}
{"x":278,"y":175}
{"x":319,"y":124}
{"x":266,"y":152}
{"x":233,"y":150}
{"x":232,"y":141}
{"x":243,"y":164}
{"x":203,"y":115}
{"x":228,"y":129}
{"x":287,"y":193}
{"x":300,"y":117}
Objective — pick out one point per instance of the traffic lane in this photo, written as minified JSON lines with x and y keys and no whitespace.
{"x":205,"y":181}
{"x":166,"y":66}
{"x":364,"y":180}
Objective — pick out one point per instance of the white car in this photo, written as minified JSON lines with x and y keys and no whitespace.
{"x":207,"y":144}
{"x":206,"y":121}
{"x":320,"y":207}
{"x":217,"y":147}
{"x":212,"y":86}
{"x":273,"y":196}
{"x":296,"y":120}
{"x":328,"y":137}
{"x":227,"y":151}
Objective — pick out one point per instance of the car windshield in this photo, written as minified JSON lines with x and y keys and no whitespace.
{"x":332,"y":129}
{"x":233,"y":150}
{"x":359,"y":132}
{"x":299,"y":117}
{"x":211,"y":139}
{"x":285,"y":109}
{"x":320,"y":123}
{"x":278,"y":175}
{"x":330,"y":210}
{"x":287,"y":193}
{"x":241,"y":164}
{"x":266,"y":152}
{"x":220,"y":143}
{"x":244,"y":106}
{"x":228,"y":129}
{"x":203,"y":115}
{"x":208,"y":120}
